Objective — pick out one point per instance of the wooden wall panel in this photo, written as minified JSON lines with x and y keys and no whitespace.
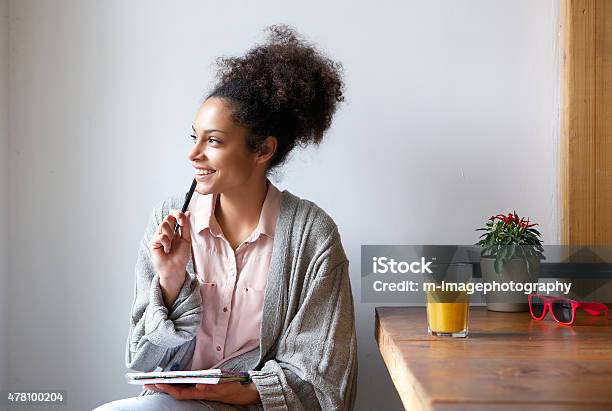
{"x":586,"y":122}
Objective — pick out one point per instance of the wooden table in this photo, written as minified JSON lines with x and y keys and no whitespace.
{"x":508,"y":362}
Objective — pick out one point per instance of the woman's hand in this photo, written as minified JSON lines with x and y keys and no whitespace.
{"x":170,"y":253}
{"x":227,"y":392}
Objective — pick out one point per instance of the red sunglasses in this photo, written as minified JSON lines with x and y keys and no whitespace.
{"x":563,"y":309}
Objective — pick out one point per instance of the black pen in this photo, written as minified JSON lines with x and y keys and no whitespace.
{"x":186,"y":203}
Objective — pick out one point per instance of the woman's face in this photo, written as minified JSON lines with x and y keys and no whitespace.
{"x":220,"y":151}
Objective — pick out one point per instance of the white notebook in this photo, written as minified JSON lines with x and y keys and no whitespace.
{"x":214,"y":376}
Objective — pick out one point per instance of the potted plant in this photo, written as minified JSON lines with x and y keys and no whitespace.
{"x":511,"y":252}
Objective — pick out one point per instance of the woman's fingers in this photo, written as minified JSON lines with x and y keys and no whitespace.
{"x":165,"y":232}
{"x":166,"y":242}
{"x":186,"y":227}
{"x":167,"y":226}
{"x":160,"y":241}
{"x":183,"y":221}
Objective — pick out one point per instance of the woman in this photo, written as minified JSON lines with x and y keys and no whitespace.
{"x":257,"y":279}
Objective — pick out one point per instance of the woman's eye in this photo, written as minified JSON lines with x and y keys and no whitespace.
{"x":210,"y":139}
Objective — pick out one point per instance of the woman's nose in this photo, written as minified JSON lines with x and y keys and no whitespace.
{"x":196,"y":152}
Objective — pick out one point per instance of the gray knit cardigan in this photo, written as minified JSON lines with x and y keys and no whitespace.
{"x":307,"y":356}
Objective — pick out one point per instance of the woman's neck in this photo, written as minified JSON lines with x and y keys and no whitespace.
{"x":238,"y":212}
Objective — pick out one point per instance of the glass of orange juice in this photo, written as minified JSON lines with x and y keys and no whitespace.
{"x":448,"y":301}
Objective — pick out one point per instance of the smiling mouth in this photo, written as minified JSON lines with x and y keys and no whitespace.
{"x":202,"y":172}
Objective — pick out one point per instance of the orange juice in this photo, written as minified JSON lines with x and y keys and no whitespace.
{"x":447,"y":313}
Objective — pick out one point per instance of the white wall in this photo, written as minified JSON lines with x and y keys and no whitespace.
{"x":4,"y":31}
{"x":451,"y":116}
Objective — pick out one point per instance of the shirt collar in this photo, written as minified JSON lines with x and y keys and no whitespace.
{"x":204,"y":214}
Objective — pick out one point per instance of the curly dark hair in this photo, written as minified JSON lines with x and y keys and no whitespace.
{"x":284,"y":88}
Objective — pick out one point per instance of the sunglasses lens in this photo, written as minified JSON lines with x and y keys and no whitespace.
{"x":562,"y":311}
{"x":537,"y":306}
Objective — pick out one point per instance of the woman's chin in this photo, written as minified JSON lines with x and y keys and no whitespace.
{"x":203,"y":188}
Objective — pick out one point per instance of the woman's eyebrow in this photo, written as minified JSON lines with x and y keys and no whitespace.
{"x":207,"y":131}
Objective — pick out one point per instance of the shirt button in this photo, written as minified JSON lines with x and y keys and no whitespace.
{"x":218,"y":348}
{"x":224,"y":309}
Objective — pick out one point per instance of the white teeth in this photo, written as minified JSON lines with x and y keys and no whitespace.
{"x":204,"y":172}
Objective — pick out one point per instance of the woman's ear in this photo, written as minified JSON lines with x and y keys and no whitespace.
{"x":267,"y":149}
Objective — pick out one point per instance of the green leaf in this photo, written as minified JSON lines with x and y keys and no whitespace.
{"x":498,"y":265}
{"x":503,"y":252}
{"x":511,"y":250}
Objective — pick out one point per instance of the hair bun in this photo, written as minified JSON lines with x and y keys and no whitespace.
{"x":284,"y":87}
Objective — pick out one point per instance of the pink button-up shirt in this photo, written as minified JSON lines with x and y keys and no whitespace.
{"x":232,"y":283}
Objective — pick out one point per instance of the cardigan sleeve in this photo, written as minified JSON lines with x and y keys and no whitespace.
{"x":316,"y":363}
{"x":156,"y":333}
